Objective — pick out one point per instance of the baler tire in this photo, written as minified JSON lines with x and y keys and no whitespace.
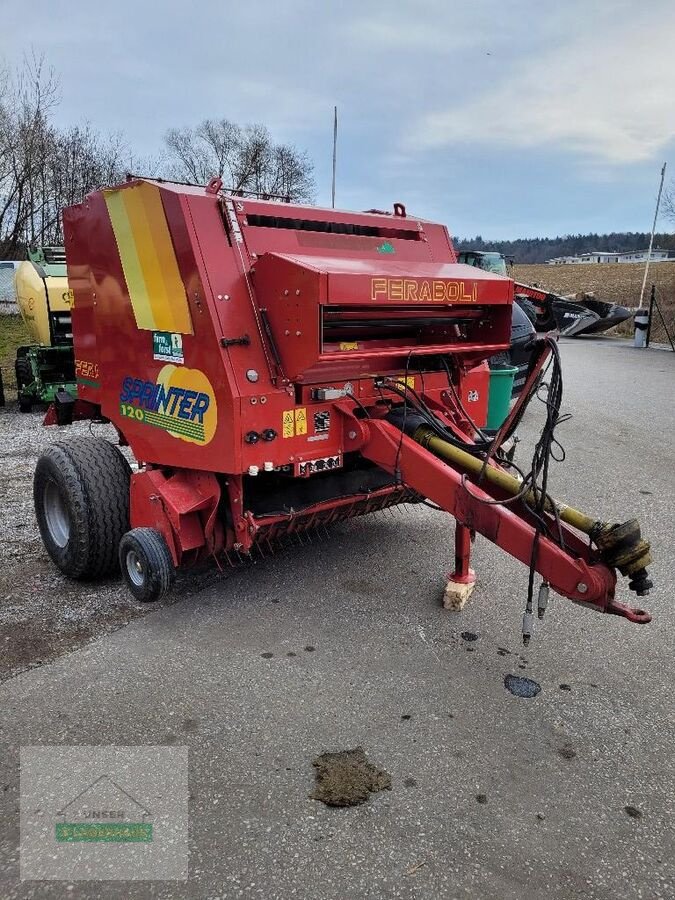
{"x":146,"y":564}
{"x":81,"y":495}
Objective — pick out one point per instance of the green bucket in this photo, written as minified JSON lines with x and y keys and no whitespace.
{"x":499,"y":398}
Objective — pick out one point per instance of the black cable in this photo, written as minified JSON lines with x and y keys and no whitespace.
{"x":547,"y":447}
{"x":397,"y":469}
{"x":358,"y":402}
{"x":441,"y":430}
{"x":541,"y":459}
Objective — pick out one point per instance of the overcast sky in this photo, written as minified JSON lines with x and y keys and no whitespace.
{"x":505,"y":119}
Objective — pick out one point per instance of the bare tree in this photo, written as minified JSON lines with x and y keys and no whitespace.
{"x":44,"y":168}
{"x":79,"y":160}
{"x":246,"y":158}
{"x":668,"y":202}
{"x":27,"y":99}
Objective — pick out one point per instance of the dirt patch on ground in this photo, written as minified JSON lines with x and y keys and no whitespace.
{"x":346,"y":778}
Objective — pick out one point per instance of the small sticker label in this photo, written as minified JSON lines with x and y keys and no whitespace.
{"x":408,"y":381}
{"x":473,"y":396}
{"x":321,"y":421}
{"x":167,"y":346}
{"x":386,"y":247}
{"x":349,"y":345}
{"x":287,"y":424}
{"x":301,"y":421}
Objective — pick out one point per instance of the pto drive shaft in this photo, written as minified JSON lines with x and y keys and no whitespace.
{"x":620,"y":546}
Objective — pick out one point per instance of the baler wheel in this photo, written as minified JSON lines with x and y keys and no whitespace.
{"x":81,"y":495}
{"x":146,"y":564}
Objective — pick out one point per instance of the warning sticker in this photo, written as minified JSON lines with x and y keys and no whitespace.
{"x":301,"y":421}
{"x":294,"y":422}
{"x":287,"y":424}
{"x":408,"y":381}
{"x":349,"y":345}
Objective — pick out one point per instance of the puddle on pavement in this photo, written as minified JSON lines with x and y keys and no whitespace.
{"x":521,"y":687}
{"x":346,"y":778}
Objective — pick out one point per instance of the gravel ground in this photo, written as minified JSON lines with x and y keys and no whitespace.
{"x":42,"y":613}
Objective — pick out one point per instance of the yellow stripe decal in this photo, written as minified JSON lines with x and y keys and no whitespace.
{"x":131,"y":265}
{"x":149,"y":262}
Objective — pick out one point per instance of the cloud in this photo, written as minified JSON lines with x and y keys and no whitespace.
{"x":606,"y":95}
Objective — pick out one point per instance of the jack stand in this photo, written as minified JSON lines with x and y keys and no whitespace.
{"x":462,"y":581}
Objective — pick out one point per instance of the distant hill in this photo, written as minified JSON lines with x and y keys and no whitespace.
{"x":531,"y":251}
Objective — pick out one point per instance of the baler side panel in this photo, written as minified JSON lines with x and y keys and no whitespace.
{"x":209,"y":270}
{"x":254,"y":406}
{"x":189,"y":429}
{"x":225,"y":270}
{"x":79,"y":227}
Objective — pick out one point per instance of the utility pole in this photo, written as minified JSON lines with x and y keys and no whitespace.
{"x":651,"y":239}
{"x":335,"y":154}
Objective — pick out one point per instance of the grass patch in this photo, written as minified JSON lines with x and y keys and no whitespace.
{"x":13,"y":334}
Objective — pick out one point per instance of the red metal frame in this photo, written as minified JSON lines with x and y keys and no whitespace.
{"x":572,"y":572}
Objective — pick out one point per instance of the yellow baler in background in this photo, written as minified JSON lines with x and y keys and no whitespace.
{"x":47,"y":365}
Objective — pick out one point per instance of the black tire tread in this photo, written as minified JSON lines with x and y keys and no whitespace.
{"x":96,"y":478}
{"x":23,"y":371}
{"x":160,"y":570}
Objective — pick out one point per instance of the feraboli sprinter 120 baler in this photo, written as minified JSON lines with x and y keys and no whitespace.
{"x":275,"y":368}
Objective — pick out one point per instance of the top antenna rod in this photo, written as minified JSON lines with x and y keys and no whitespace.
{"x":334,"y":154}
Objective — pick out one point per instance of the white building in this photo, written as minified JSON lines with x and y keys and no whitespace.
{"x":602,"y":256}
{"x":7,"y":293}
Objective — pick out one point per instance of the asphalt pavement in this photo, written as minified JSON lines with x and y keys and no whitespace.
{"x":334,"y":645}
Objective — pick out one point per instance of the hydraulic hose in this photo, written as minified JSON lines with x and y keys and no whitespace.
{"x":620,"y":545}
{"x":501,"y":479}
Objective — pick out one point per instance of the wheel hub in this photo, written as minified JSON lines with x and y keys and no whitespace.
{"x":135,"y":568}
{"x":56,"y":514}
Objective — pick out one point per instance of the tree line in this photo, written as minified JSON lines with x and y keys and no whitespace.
{"x":538,"y":250}
{"x":44,"y":166}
